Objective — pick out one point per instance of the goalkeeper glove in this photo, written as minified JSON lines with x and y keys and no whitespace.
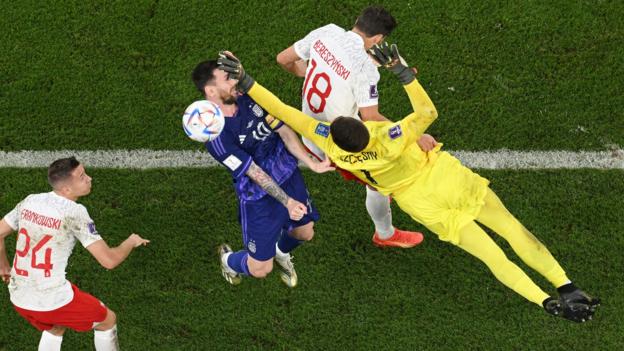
{"x":388,"y":56}
{"x":230,"y":64}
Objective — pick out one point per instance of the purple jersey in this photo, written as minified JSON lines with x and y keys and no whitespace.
{"x":249,"y":135}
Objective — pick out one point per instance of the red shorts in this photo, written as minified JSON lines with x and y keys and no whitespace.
{"x":346,"y":175}
{"x":80,"y":314}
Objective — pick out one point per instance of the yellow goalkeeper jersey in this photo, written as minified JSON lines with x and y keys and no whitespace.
{"x":392,"y":158}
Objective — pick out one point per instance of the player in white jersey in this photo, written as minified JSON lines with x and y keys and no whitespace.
{"x":47,"y":227}
{"x":341,"y":80}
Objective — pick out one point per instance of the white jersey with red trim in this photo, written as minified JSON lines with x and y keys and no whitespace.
{"x":47,"y":227}
{"x":340,"y":77}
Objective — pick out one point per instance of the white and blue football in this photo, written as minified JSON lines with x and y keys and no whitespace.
{"x":203,"y":121}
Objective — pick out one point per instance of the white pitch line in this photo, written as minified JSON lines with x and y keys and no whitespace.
{"x":141,"y":159}
{"x":148,"y":159}
{"x":508,"y":159}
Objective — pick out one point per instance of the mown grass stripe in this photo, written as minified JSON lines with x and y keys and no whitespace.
{"x":148,"y":159}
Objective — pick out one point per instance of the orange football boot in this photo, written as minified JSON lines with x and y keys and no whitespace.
{"x":400,"y":238}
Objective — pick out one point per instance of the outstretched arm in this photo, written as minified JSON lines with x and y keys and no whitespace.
{"x":315,"y":131}
{"x":111,"y":257}
{"x":297,"y":120}
{"x":295,"y":147}
{"x":424,"y":111}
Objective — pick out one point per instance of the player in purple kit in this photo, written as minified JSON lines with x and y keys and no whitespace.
{"x":261,"y":153}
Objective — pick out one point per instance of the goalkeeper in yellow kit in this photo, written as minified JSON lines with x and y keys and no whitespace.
{"x":432,"y":187}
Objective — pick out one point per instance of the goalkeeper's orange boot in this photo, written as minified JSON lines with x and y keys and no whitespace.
{"x":400,"y":238}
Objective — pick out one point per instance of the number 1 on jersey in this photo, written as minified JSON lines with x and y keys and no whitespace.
{"x":314,"y":89}
{"x":369,"y":176}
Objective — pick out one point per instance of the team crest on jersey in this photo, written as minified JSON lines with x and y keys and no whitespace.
{"x":91,"y":227}
{"x":257,"y":110}
{"x":322,"y":130}
{"x":395,"y":132}
{"x":373,"y":93}
{"x":251,"y":246}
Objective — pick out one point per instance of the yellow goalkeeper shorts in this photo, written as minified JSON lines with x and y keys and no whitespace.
{"x":446,"y":193}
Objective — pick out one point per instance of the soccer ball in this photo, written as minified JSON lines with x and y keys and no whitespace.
{"x":203,"y":121}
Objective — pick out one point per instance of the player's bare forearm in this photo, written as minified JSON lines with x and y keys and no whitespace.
{"x":300,"y":68}
{"x":267,"y":183}
{"x":291,"y":62}
{"x":371,"y":113}
{"x":110,"y":258}
{"x":4,"y":260}
{"x":297,"y":68}
{"x":375,"y":118}
{"x":5,"y":229}
{"x":5,"y":267}
{"x":121,"y":252}
{"x":294,"y":145}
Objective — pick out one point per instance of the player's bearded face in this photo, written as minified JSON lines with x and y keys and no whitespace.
{"x":226,"y":88}
{"x":228,"y":97}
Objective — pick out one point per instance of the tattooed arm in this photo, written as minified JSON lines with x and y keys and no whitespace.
{"x":295,"y":147}
{"x":296,"y":209}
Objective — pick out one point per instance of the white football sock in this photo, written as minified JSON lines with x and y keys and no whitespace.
{"x":106,"y":340}
{"x":378,"y":207}
{"x":279,"y":253}
{"x":50,"y":342}
{"x":224,"y":259}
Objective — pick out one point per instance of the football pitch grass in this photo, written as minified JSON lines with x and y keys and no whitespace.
{"x":525,"y":76}
{"x":352,"y":295}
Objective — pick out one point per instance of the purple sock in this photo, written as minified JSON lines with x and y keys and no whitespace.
{"x":238,"y":262}
{"x":287,"y":243}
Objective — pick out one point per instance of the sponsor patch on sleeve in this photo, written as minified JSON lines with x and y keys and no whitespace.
{"x":373,"y":93}
{"x":395,"y":132}
{"x":232,"y":162}
{"x":322,"y":130}
{"x":91,"y":227}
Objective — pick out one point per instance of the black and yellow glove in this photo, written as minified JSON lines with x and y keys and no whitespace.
{"x":232,"y":65}
{"x":388,"y":56}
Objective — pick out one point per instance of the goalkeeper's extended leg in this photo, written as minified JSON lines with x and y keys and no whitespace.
{"x":476,"y":242}
{"x":495,"y":216}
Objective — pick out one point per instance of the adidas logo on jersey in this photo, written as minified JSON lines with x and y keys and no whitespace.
{"x":242,"y":138}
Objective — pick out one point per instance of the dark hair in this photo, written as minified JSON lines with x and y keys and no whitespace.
{"x":61,"y":169}
{"x":375,"y":20}
{"x":349,"y":134}
{"x":203,"y":74}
